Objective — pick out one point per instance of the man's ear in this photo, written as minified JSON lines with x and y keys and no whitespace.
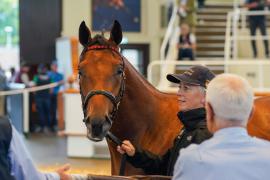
{"x":252,"y":112}
{"x":210,"y":117}
{"x":203,"y":101}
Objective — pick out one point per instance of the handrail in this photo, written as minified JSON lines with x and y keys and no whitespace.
{"x":232,"y":36}
{"x":235,"y":4}
{"x":247,"y":37}
{"x":168,"y":32}
{"x":227,"y":47}
{"x":31,"y":89}
{"x":244,"y":13}
{"x":25,"y":93}
{"x":259,"y":63}
{"x":236,"y":14}
{"x":210,"y":62}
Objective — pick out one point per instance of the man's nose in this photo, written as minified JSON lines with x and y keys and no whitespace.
{"x":179,"y":92}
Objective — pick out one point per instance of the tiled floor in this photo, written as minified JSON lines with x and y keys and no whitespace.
{"x":49,"y":152}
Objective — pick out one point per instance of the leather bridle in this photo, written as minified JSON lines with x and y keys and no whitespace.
{"x":115,"y":100}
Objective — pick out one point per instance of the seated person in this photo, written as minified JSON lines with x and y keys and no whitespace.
{"x":231,"y":153}
{"x":186,"y":44}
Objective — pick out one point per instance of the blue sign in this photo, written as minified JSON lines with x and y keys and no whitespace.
{"x":127,"y":12}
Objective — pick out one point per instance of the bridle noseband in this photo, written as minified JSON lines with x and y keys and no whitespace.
{"x":115,"y":100}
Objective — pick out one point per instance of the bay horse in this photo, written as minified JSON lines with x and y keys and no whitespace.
{"x":116,"y":97}
{"x":259,"y":123}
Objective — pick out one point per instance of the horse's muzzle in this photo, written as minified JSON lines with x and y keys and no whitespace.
{"x":97,"y":129}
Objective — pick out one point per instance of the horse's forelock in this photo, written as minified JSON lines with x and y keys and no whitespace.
{"x":100,"y":40}
{"x":97,"y":40}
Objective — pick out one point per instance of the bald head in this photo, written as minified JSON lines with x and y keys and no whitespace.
{"x":231,"y":98}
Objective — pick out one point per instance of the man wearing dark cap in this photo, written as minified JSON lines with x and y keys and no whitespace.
{"x":191,"y":98}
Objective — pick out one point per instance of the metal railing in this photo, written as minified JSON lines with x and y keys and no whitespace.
{"x":259,"y":66}
{"x":233,"y":27}
{"x":25,"y":93}
{"x":169,"y":32}
{"x":233,"y":35}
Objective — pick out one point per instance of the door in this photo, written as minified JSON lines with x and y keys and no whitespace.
{"x":138,"y":56}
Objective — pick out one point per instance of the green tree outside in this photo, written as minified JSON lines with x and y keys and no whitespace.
{"x":9,"y":17}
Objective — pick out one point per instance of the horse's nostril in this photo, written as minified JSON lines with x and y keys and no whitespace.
{"x":96,"y":128}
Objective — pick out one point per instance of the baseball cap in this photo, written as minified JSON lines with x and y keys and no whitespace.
{"x":196,"y":75}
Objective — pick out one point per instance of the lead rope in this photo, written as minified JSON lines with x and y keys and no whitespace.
{"x":118,"y":142}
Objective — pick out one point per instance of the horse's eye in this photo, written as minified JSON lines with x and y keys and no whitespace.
{"x":80,"y":73}
{"x":119,"y":71}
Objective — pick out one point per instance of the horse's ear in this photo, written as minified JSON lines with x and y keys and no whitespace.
{"x":116,"y":33}
{"x":84,"y":34}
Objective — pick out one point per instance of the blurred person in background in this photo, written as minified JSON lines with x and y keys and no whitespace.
{"x":201,"y":4}
{"x":42,"y":98}
{"x":12,"y":78}
{"x":186,"y":43}
{"x":22,"y":76}
{"x":188,"y":13}
{"x":257,"y":21}
{"x":55,"y":76}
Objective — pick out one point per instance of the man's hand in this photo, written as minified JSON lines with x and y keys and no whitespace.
{"x":62,"y":171}
{"x":126,"y":147}
{"x":186,"y":46}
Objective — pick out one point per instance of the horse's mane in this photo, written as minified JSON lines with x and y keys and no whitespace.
{"x":101,"y":40}
{"x":139,"y":75}
{"x":142,"y":79}
{"x":97,"y":40}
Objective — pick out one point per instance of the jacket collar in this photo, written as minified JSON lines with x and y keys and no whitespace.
{"x":231,"y":131}
{"x":193,"y":118}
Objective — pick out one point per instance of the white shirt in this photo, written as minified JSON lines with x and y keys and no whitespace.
{"x":231,"y":154}
{"x":192,"y":38}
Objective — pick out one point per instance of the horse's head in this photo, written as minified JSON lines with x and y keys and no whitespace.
{"x":101,"y":72}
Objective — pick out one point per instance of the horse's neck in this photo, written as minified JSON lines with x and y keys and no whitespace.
{"x":139,"y":91}
{"x":139,"y":107}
